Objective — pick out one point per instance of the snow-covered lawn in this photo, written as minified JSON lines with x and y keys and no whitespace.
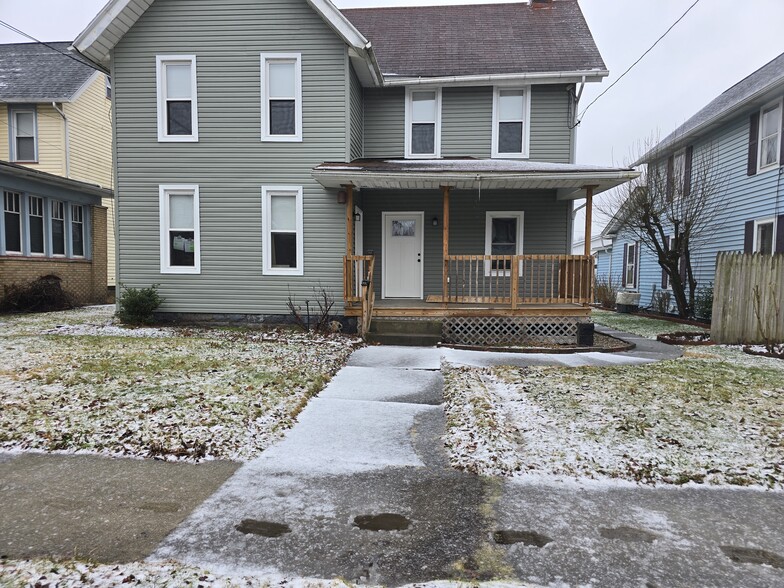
{"x":73,"y":574}
{"x":77,"y":381}
{"x":715,"y":416}
{"x":639,"y":325}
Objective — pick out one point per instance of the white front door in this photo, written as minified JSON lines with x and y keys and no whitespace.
{"x":403,"y":254}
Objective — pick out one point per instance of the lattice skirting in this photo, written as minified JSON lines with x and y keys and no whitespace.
{"x":511,"y":331}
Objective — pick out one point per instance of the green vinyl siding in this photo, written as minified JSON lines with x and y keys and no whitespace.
{"x":229,"y":163}
{"x":545,"y":224}
{"x":467,"y":123}
{"x":356,"y":117}
{"x":384,"y":122}
{"x":550,"y":133}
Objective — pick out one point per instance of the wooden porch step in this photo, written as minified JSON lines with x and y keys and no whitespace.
{"x":415,"y":332}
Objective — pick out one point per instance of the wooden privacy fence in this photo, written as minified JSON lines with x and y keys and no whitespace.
{"x":748,"y":298}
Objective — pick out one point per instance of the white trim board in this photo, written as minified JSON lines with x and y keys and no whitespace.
{"x":384,"y":215}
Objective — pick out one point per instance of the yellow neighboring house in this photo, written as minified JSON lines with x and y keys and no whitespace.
{"x":57,"y":113}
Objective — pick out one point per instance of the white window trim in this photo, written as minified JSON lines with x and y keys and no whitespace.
{"x":265,"y":122}
{"x":670,"y":245}
{"x":526,"y":123}
{"x":776,"y":103}
{"x":165,"y":190}
{"x":437,"y":140}
{"x":631,"y":261}
{"x":163,"y":137}
{"x":771,"y":220}
{"x":489,"y":216}
{"x":267,"y":269}
{"x":12,"y":113}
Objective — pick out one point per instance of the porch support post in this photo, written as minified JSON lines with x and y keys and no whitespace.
{"x":349,"y":219}
{"x":588,"y":217}
{"x":445,"y":239}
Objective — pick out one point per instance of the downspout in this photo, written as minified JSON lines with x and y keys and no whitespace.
{"x":67,"y":141}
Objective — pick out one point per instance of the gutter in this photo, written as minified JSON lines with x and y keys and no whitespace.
{"x":485,"y":79}
{"x":47,"y":178}
{"x":458,"y":176}
{"x":67,"y":141}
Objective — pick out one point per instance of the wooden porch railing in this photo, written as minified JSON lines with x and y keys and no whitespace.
{"x":358,"y":286}
{"x":519,"y":279}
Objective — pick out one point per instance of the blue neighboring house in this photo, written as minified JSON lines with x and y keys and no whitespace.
{"x":744,"y":126}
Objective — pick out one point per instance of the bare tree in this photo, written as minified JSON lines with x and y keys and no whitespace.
{"x":671,"y":209}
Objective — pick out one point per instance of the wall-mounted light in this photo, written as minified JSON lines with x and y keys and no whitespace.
{"x":357,"y":217}
{"x":435,"y":221}
{"x":342,"y":197}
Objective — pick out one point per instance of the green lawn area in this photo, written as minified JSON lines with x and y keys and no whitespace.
{"x":639,"y":325}
{"x":76,"y":381}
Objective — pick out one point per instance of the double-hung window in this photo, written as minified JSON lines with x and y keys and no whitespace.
{"x":281,"y":97}
{"x":35,"y":224}
{"x":511,"y":107}
{"x":24,"y":143}
{"x":12,"y":218}
{"x":630,"y":268}
{"x":177,"y":104}
{"x":180,"y":238}
{"x":58,"y":227}
{"x":281,"y":225}
{"x":77,"y":230}
{"x":764,"y":235}
{"x":503,"y":236}
{"x":423,"y":123}
{"x":770,"y":136}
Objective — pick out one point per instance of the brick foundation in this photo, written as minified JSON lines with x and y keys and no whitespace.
{"x":84,"y":279}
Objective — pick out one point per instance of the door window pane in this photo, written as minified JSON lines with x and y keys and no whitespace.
{"x":281,"y":80}
{"x":12,"y":215}
{"x":36,"y":223}
{"x":178,"y":81}
{"x":404,"y":228}
{"x":58,"y":228}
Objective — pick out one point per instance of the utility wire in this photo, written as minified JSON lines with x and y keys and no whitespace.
{"x":55,"y":49}
{"x":607,"y":89}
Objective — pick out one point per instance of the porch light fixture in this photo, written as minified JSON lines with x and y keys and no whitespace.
{"x":342,"y":197}
{"x":435,"y":221}
{"x":357,"y":217}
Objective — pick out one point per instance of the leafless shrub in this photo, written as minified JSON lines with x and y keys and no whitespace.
{"x":316,"y":315}
{"x":605,"y":291}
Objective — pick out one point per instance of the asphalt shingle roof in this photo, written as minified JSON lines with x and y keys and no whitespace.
{"x":434,"y":41}
{"x":725,"y":104}
{"x":31,"y":72}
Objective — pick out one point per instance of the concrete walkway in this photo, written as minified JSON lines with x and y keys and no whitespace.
{"x":370,"y":444}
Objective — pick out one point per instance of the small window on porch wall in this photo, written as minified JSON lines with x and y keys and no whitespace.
{"x":58,"y":227}
{"x":423,"y":123}
{"x":36,"y":225}
{"x":12,"y":219}
{"x":282,"y":240}
{"x":503,"y":236}
{"x":180,"y":236}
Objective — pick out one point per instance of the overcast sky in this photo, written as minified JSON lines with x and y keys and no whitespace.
{"x":716,"y":45}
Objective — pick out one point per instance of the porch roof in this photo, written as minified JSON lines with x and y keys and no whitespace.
{"x":569,"y":180}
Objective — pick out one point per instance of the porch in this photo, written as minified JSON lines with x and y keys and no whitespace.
{"x":481,"y":249}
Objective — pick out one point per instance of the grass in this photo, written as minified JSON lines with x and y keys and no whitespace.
{"x":714,"y":416}
{"x":639,"y":325}
{"x":171,"y":393}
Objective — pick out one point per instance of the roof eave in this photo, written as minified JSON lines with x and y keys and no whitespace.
{"x":552,"y":77}
{"x":47,"y":178}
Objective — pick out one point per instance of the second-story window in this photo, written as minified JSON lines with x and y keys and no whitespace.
{"x":281,"y":91}
{"x":770,"y":136}
{"x":423,"y":123}
{"x":24,"y":146}
{"x":177,"y":104}
{"x":510,"y":122}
